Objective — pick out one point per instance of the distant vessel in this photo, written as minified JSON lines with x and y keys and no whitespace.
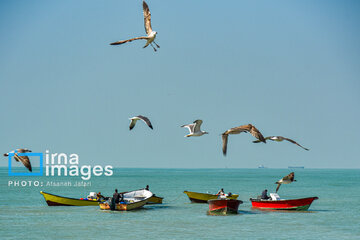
{"x":302,"y":167}
{"x":261,"y":166}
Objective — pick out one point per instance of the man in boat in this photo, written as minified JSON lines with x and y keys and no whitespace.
{"x":147,"y":187}
{"x":116,"y":196}
{"x":99,"y":197}
{"x":264,"y":195}
{"x":221,"y":192}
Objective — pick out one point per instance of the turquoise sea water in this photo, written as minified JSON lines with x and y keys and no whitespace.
{"x":335,"y":215}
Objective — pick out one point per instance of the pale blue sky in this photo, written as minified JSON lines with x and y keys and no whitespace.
{"x":291,"y":68}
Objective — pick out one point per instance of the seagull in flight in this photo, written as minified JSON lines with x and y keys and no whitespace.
{"x":24,"y":159}
{"x":280,"y":139}
{"x":134,"y":120}
{"x":194,"y":129}
{"x":150,"y":38}
{"x":236,"y":130}
{"x":286,"y":180}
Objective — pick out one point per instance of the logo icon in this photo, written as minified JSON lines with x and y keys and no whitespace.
{"x":29,"y":154}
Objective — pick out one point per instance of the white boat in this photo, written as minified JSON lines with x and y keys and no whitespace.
{"x":131,"y":200}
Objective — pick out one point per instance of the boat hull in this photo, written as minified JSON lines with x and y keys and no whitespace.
{"x":196,"y":197}
{"x":155,"y":200}
{"x":55,"y":200}
{"x":300,"y":204}
{"x":224,"y":206}
{"x":123,"y":206}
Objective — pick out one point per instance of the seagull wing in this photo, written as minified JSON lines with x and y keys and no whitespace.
{"x":190,"y":127}
{"x":278,"y":186}
{"x":129,"y":40}
{"x":256,"y":133}
{"x":25,"y":160}
{"x":147,"y":18}
{"x":289,"y":177}
{"x":197,"y":125}
{"x":237,"y":130}
{"x":132,"y":123}
{"x":292,"y":141}
{"x":146,"y":120}
{"x":225,"y":141}
{"x":267,"y":138}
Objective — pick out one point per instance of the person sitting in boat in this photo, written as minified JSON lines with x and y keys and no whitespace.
{"x":264,"y":195}
{"x":116,"y":196}
{"x":147,"y":187}
{"x":221,"y":192}
{"x":100,"y":197}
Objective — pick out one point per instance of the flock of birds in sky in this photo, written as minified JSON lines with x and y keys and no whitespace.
{"x":195,"y":131}
{"x":194,"y":128}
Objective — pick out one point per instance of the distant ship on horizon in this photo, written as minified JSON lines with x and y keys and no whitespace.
{"x":261,"y":166}
{"x":302,"y":167}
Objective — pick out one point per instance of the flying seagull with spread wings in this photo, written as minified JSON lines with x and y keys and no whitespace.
{"x":150,"y":38}
{"x":24,"y":159}
{"x":134,"y":120}
{"x":236,"y":130}
{"x":280,"y":139}
{"x":286,"y":180}
{"x":194,"y":129}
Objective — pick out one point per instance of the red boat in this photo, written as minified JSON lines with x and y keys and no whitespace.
{"x":224,"y":206}
{"x":283,"y":204}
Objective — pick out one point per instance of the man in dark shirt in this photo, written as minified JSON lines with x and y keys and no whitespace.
{"x":116,"y":196}
{"x":264,"y":195}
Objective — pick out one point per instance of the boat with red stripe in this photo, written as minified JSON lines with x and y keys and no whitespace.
{"x":275,"y":203}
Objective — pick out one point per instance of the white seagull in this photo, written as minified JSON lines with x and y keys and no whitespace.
{"x":134,"y":120}
{"x":280,"y":139}
{"x":150,"y":38}
{"x":23,"y":159}
{"x":194,"y":129}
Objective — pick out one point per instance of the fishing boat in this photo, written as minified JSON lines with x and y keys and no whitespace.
{"x":131,"y":200}
{"x":224,"y":206}
{"x":196,"y":197}
{"x":55,"y":200}
{"x":275,"y":203}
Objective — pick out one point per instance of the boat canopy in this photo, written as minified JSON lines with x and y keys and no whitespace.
{"x":138,"y":195}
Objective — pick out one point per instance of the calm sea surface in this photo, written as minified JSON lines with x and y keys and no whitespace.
{"x":335,"y":215}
